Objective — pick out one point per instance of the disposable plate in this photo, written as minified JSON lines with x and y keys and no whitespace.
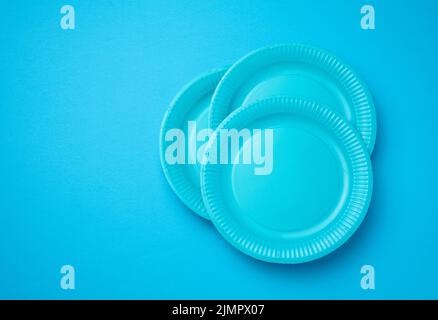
{"x":312,"y":201}
{"x":298,"y":71}
{"x":190,"y":104}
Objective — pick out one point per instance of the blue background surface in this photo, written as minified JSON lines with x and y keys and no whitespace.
{"x":80,"y":177}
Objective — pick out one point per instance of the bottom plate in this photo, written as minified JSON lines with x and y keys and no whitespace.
{"x":189,"y":106}
{"x":299,"y":197}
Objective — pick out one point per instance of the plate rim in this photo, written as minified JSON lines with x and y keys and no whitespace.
{"x":357,"y":90}
{"x":330,"y":241}
{"x":197,"y":87}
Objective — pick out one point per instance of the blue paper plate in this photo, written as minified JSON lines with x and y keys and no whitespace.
{"x":315,"y":197}
{"x":298,"y":71}
{"x":190,"y":104}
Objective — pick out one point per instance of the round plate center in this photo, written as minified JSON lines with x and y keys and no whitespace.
{"x":306,"y":184}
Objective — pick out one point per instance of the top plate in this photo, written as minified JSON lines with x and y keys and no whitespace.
{"x":298,"y":71}
{"x":314,"y":190}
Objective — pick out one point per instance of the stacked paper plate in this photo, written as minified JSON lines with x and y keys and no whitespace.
{"x":275,"y":151}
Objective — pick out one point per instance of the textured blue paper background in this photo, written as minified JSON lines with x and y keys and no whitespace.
{"x":80,"y":177}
